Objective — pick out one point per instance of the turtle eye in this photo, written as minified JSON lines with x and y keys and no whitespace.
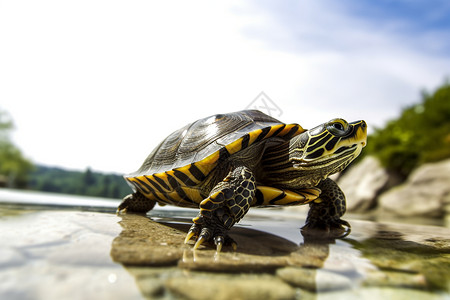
{"x":338,"y":127}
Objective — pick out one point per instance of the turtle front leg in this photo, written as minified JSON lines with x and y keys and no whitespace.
{"x":324,"y":217}
{"x":227,"y":203}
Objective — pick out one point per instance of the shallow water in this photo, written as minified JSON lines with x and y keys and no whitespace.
{"x":77,"y":248}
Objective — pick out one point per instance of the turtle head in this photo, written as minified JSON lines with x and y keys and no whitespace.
{"x":328,"y":148}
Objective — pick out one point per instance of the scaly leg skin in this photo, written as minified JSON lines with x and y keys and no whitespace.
{"x":227,"y":203}
{"x":136,"y":202}
{"x":324,"y":217}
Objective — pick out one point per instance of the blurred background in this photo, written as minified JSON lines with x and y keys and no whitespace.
{"x":89,"y":88}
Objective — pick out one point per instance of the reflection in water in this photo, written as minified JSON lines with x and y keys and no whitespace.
{"x":163,"y":239}
{"x":272,"y":266}
{"x":426,"y":261}
{"x":159,"y":247}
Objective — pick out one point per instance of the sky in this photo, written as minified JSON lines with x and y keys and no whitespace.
{"x":100,"y":83}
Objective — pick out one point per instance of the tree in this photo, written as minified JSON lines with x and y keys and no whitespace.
{"x":14,"y":168}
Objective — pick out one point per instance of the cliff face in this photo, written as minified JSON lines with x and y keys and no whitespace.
{"x":425,"y":193}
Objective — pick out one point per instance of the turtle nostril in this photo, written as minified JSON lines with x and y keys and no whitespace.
{"x":364,"y":125}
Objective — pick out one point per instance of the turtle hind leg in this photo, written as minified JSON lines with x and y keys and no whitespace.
{"x":227,"y":203}
{"x":324,"y":217}
{"x":137,"y":203}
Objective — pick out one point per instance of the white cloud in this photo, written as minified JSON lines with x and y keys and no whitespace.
{"x":355,"y":66}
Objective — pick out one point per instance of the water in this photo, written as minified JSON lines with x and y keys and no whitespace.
{"x":57,"y":246}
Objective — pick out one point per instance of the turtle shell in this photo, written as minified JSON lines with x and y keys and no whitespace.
{"x":189,"y":154}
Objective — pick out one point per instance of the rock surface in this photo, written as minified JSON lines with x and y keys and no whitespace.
{"x":148,"y":243}
{"x":247,"y":286}
{"x":363,"y":183}
{"x":314,"y":280}
{"x":426,"y":193}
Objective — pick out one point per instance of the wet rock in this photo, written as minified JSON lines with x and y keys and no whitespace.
{"x":173,"y":282}
{"x":424,"y":194}
{"x":247,"y":287}
{"x":315,"y":280}
{"x":144,"y":242}
{"x":364,"y":182}
{"x":395,"y":279}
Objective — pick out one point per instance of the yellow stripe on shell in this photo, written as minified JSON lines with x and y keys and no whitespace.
{"x":274,"y":128}
{"x":178,"y":200}
{"x":149,"y":194}
{"x":150,"y":179}
{"x":138,"y":181}
{"x":234,"y":146}
{"x":185,"y":170}
{"x":164,"y":177}
{"x":165,"y":200}
{"x":193,"y":194}
{"x":253,"y":135}
{"x":171,"y":173}
{"x":211,"y":159}
{"x":288,"y":128}
{"x":137,"y":184}
{"x":207,"y":164}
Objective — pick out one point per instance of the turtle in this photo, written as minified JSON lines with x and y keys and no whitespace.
{"x":226,"y":163}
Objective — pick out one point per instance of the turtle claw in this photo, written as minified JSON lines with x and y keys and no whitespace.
{"x":348,"y":228}
{"x":193,"y":231}
{"x":219,"y":240}
{"x":207,"y":234}
{"x":189,"y":235}
{"x":199,"y":242}
{"x":120,"y":211}
{"x":219,"y":247}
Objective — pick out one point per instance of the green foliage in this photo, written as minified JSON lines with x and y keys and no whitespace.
{"x":14,"y":168}
{"x":80,"y":183}
{"x":420,"y":135}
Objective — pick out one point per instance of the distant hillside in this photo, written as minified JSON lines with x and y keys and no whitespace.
{"x":57,"y":180}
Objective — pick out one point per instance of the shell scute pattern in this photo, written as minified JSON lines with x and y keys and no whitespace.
{"x":187,"y":156}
